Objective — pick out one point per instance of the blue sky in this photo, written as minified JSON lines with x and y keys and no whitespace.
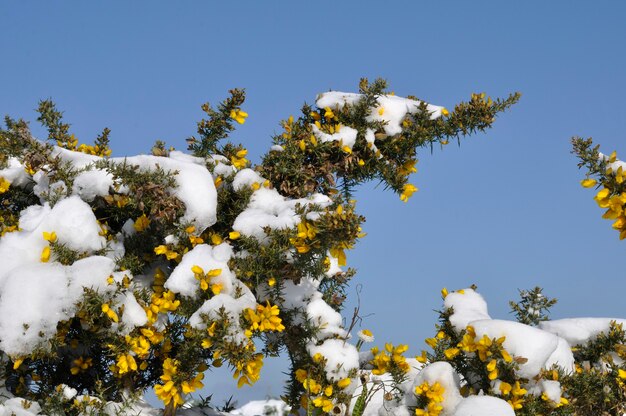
{"x":503,"y":211}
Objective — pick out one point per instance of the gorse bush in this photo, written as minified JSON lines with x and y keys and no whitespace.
{"x":121,"y":274}
{"x":155,"y":268}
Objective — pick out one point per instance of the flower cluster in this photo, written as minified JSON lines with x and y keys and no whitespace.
{"x":432,"y":396}
{"x":390,"y":360}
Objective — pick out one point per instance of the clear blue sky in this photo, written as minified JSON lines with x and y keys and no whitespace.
{"x":503,"y":211}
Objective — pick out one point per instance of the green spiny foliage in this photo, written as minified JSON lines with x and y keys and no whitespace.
{"x":533,"y":307}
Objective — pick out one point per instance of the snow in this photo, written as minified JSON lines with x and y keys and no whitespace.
{"x":37,"y":296}
{"x":444,"y":374}
{"x":267,"y":208}
{"x":483,"y":406}
{"x":182,"y":279}
{"x":323,"y":316}
{"x":468,"y":306}
{"x":262,"y":408}
{"x":19,"y":407}
{"x":246,"y":178}
{"x":346,"y":136}
{"x":579,"y":331}
{"x":552,"y":390}
{"x":341,"y":357}
{"x":233,"y":307}
{"x":92,"y":183}
{"x":298,"y":295}
{"x":541,"y":348}
{"x":15,"y":173}
{"x":195,"y":187}
{"x":391,"y":109}
{"x":134,"y":315}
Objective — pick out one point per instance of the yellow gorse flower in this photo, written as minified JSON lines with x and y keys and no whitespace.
{"x":238,"y":115}
{"x":50,"y":236}
{"x":205,"y":278}
{"x":125,"y":363}
{"x":164,"y":250}
{"x":45,"y":254}
{"x":80,"y":364}
{"x":265,"y":318}
{"x":390,"y":359}
{"x":4,"y":185}
{"x":239,"y":161}
{"x":141,"y":223}
{"x":17,"y":363}
{"x":248,"y":372}
{"x":588,"y":183}
{"x":434,"y":395}
{"x":106,"y":309}
{"x":407,"y":190}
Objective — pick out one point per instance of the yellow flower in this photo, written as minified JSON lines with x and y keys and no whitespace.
{"x":326,"y":404}
{"x":169,"y":254}
{"x":431,"y":342}
{"x":238,"y":115}
{"x":445,"y":112}
{"x":192,"y":385}
{"x":301,"y":375}
{"x":265,"y":318}
{"x":17,"y":363}
{"x":160,"y":249}
{"x":340,"y":255}
{"x":4,"y":185}
{"x":168,"y":393}
{"x":588,"y":183}
{"x":505,"y":355}
{"x":493,"y":370}
{"x":422,"y":358}
{"x":139,"y":345}
{"x":621,"y":373}
{"x":407,"y":190}
{"x":216,"y":240}
{"x":505,"y":388}
{"x":141,"y":223}
{"x":233,"y":235}
{"x":343,"y":383}
{"x":45,"y":254}
{"x":126,"y":363}
{"x":516,"y":403}
{"x":450,"y":353}
{"x":80,"y":364}
{"x":51,"y":237}
{"x":517,"y":390}
{"x":106,"y":309}
{"x":217,"y":288}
